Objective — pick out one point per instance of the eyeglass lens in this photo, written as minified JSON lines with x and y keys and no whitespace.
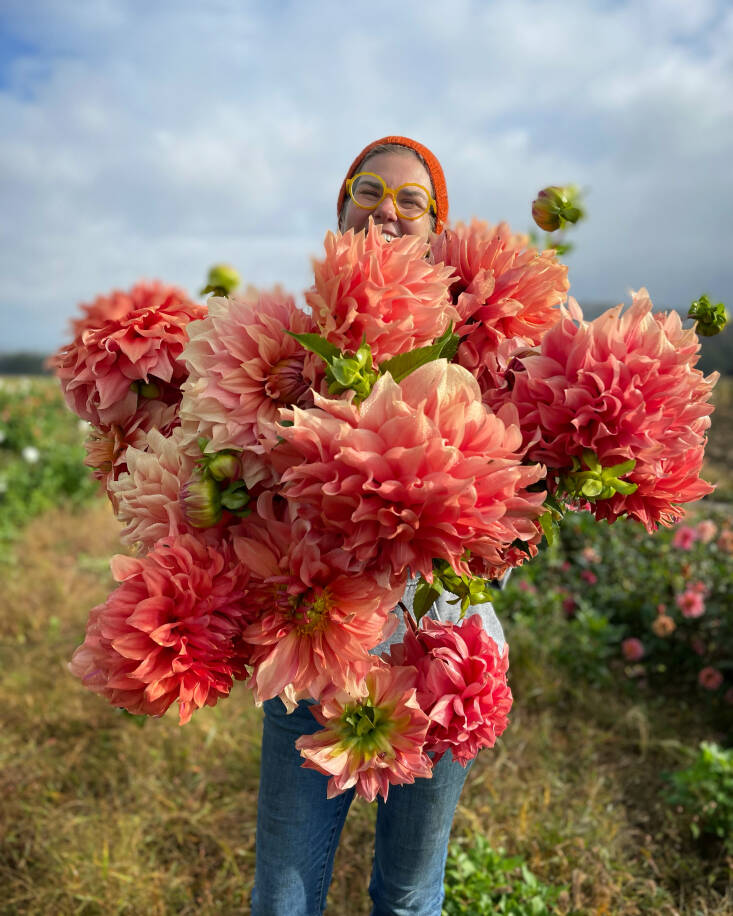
{"x":411,"y":199}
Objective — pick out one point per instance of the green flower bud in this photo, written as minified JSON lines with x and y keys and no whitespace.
{"x":356,"y":373}
{"x":222,"y":465}
{"x":711,"y":319}
{"x":554,"y":206}
{"x":201,"y":502}
{"x":223,"y":279}
{"x":595,"y":481}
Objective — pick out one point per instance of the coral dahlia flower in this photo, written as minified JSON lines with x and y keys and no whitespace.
{"x":314,"y":623}
{"x":461,"y":685}
{"x":243,"y":367}
{"x":623,"y":386}
{"x":420,"y":470}
{"x":504,"y":289}
{"x":170,"y":631}
{"x":386,"y":291}
{"x":127,"y":349}
{"x":370,"y":742}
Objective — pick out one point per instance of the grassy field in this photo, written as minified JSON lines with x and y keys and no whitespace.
{"x":100,"y":815}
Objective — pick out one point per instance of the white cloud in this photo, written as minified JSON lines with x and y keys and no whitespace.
{"x":153,"y":139}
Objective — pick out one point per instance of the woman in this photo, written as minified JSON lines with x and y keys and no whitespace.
{"x":399,"y":184}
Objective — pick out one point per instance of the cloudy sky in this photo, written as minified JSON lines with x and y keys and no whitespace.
{"x":145,"y":139}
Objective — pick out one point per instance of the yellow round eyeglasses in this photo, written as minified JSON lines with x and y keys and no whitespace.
{"x":368,"y":190}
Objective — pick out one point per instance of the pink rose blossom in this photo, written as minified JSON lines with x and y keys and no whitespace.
{"x":126,"y":338}
{"x":632,"y":649}
{"x":370,"y":741}
{"x":589,"y":576}
{"x":461,"y":685}
{"x":690,"y":603}
{"x":706,"y":530}
{"x":710,"y":678}
{"x":171,"y":630}
{"x":684,"y":537}
{"x":386,"y":291}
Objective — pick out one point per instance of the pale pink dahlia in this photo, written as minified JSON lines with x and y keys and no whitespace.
{"x":314,"y":624}
{"x":106,"y":447}
{"x":370,"y":742}
{"x":420,"y":470}
{"x":623,"y":386}
{"x":243,"y":367}
{"x":461,"y":685}
{"x":127,"y":349}
{"x":170,"y":631}
{"x":504,"y":289}
{"x":146,"y":498}
{"x":386,"y":291}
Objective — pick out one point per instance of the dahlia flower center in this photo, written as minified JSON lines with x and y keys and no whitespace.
{"x":310,"y":611}
{"x":285,"y":383}
{"x":365,"y":729}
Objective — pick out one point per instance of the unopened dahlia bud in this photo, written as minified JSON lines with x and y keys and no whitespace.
{"x":223,"y":279}
{"x":711,"y":319}
{"x":201,"y":502}
{"x":352,"y":372}
{"x":554,"y":206}
{"x":223,"y":466}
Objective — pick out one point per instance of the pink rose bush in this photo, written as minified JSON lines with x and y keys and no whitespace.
{"x":280,"y":474}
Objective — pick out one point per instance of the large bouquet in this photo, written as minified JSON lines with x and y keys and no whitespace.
{"x":282,"y":474}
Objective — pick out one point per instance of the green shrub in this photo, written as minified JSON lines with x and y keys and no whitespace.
{"x":480,"y":881}
{"x":705,"y":791}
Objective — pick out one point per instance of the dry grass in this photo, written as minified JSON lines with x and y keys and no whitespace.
{"x":101,"y":816}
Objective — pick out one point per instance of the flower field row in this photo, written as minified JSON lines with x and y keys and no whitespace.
{"x":41,"y":452}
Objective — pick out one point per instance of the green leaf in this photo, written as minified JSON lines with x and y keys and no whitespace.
{"x":425,"y":597}
{"x":317,"y":344}
{"x":400,"y":366}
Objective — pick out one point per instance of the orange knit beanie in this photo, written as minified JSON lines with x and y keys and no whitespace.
{"x":436,"y":175}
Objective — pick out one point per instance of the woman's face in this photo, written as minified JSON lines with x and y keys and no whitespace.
{"x":394,"y":169}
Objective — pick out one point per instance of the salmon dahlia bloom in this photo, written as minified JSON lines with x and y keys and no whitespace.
{"x":386,"y":291}
{"x":146,"y":497}
{"x":420,"y":470}
{"x":623,"y":386}
{"x":373,"y":741}
{"x":461,"y":685}
{"x":314,"y":624}
{"x":171,"y":630}
{"x":124,"y":339}
{"x":504,"y":289}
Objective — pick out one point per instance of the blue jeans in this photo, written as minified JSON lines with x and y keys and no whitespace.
{"x":298,"y":830}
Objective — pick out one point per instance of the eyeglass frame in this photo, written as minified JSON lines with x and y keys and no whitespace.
{"x":432,"y":205}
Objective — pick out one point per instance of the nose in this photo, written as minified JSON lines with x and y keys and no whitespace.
{"x":386,"y":210}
